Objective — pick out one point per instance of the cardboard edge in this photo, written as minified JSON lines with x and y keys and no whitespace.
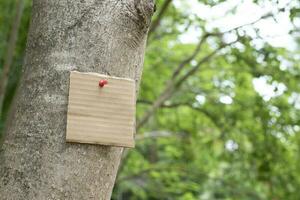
{"x":102,"y":75}
{"x":132,"y":145}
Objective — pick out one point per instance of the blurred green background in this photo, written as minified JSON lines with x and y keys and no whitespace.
{"x":218,"y":113}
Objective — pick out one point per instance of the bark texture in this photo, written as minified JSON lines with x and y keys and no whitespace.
{"x":104,"y":36}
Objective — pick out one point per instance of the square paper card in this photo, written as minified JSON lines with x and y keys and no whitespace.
{"x":101,"y":110}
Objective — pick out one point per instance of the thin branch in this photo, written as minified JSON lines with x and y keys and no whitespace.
{"x":156,"y":22}
{"x":201,"y":62}
{"x":165,"y":95}
{"x":156,"y":134}
{"x":188,"y":104}
{"x":10,"y":52}
{"x":149,"y":169}
{"x":159,"y":35}
{"x":191,"y":57}
{"x":174,"y":105}
{"x":173,"y":85}
{"x":267,"y":15}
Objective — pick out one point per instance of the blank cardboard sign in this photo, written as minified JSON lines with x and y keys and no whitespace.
{"x":101,"y":115}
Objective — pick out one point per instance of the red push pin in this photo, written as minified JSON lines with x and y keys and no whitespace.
{"x":102,"y":83}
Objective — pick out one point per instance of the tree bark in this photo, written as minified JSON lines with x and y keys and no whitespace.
{"x":104,"y":36}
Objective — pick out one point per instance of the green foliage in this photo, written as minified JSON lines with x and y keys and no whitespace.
{"x":244,"y":148}
{"x":7,"y":13}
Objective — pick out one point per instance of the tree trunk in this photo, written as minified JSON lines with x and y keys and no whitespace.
{"x":104,"y":36}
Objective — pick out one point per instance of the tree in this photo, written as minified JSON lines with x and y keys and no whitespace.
{"x":100,"y":36}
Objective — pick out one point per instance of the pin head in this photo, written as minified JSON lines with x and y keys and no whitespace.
{"x":102,"y":83}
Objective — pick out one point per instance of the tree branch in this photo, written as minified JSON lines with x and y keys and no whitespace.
{"x":149,"y":169}
{"x":156,"y":134}
{"x":201,"y":62}
{"x":209,"y":115}
{"x":191,"y":57}
{"x":162,"y":11}
{"x":172,"y":85}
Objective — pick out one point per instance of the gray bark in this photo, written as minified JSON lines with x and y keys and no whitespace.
{"x":104,"y":36}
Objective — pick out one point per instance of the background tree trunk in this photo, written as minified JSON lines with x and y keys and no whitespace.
{"x":106,"y":36}
{"x":13,"y":37}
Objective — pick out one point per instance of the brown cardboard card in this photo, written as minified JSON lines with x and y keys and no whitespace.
{"x":101,"y":115}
